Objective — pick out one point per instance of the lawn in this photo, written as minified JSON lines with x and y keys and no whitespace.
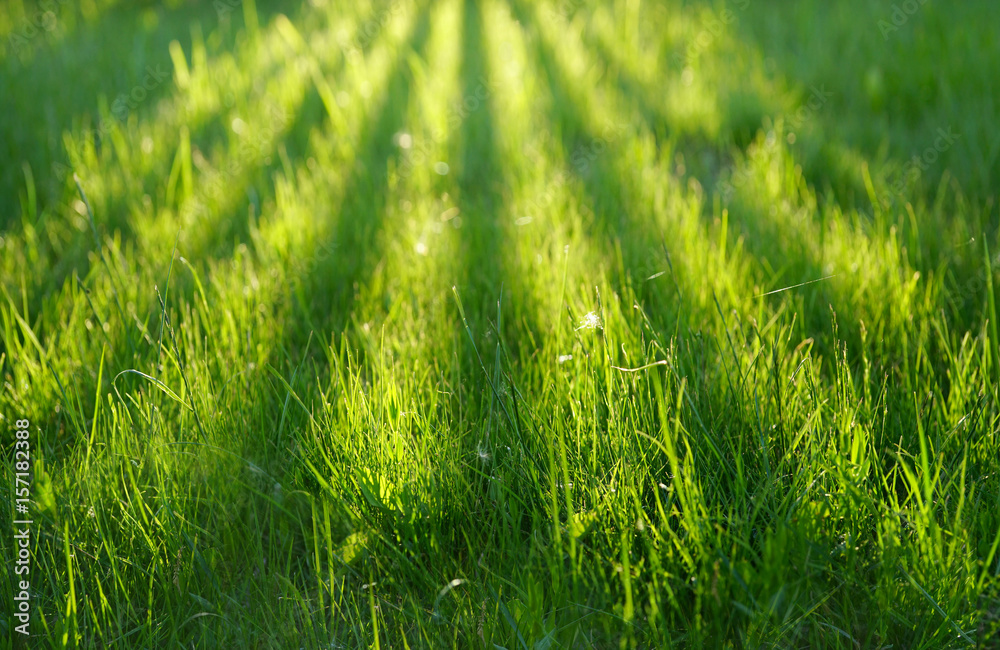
{"x":500,"y":324}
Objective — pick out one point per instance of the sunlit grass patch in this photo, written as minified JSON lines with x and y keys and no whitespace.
{"x":487,"y":323}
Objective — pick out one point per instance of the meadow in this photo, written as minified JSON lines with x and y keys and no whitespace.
{"x":501,"y":323}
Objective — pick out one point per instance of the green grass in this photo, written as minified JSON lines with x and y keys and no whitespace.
{"x":497,"y":323}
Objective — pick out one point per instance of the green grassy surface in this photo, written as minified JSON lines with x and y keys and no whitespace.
{"x":503,"y":324}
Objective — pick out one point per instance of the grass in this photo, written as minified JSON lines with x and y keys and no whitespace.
{"x":503,"y":324}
